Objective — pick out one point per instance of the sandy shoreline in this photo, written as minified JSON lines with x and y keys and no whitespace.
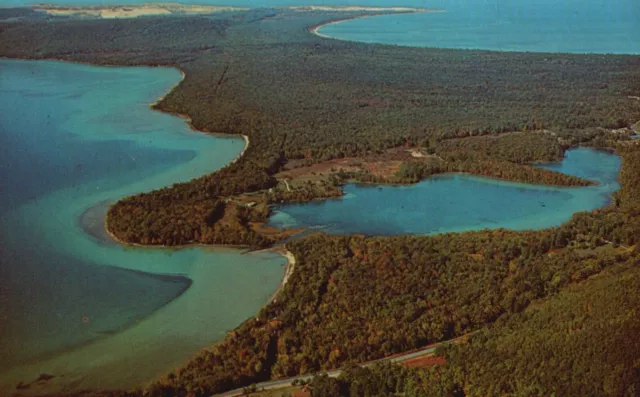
{"x":106,"y":236}
{"x":131,"y":11}
{"x":291,"y":264}
{"x":397,"y":10}
{"x":288,"y":271}
{"x":88,"y":219}
{"x":358,"y":8}
{"x":173,"y":87}
{"x":164,"y":9}
{"x":92,"y":221}
{"x":246,"y":146}
{"x":187,"y":119}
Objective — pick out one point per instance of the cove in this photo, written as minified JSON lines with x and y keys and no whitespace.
{"x":571,"y":26}
{"x":458,"y":202}
{"x":74,"y":138}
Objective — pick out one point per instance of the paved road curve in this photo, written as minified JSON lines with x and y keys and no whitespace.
{"x":282,"y":383}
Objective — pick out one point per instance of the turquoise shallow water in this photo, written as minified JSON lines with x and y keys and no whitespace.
{"x":454,"y":202}
{"x":591,"y":26}
{"x":73,"y":136}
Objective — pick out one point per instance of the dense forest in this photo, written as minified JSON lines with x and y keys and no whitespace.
{"x":581,"y":342}
{"x":354,"y":298}
{"x":299,"y":96}
{"x":551,"y":306}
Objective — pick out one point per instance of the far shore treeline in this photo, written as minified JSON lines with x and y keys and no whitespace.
{"x":304,"y":100}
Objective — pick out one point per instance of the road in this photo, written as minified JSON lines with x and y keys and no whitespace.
{"x":282,"y":383}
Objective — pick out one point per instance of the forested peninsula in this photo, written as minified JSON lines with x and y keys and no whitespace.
{"x":304,"y":100}
{"x":319,"y":113}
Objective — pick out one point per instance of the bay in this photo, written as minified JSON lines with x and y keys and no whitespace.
{"x":568,"y":26}
{"x":75,"y":305}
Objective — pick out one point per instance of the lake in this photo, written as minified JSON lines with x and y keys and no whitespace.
{"x":457,"y":202}
{"x":73,"y":137}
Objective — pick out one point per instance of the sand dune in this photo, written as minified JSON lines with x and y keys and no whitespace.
{"x":133,"y":11}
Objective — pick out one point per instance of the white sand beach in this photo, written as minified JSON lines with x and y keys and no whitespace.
{"x":132,"y":11}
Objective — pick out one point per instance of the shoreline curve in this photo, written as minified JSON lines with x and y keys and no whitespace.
{"x":110,"y":238}
{"x":315,"y":29}
{"x":96,"y":214}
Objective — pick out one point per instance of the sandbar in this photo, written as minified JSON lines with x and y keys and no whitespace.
{"x":384,"y":11}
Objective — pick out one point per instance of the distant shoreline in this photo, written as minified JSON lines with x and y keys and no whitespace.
{"x":122,"y":11}
{"x":391,"y":11}
{"x":125,"y":11}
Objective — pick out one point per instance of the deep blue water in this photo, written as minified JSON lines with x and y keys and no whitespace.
{"x":455,"y":202}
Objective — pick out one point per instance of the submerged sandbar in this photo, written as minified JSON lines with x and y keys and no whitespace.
{"x":81,"y":322}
